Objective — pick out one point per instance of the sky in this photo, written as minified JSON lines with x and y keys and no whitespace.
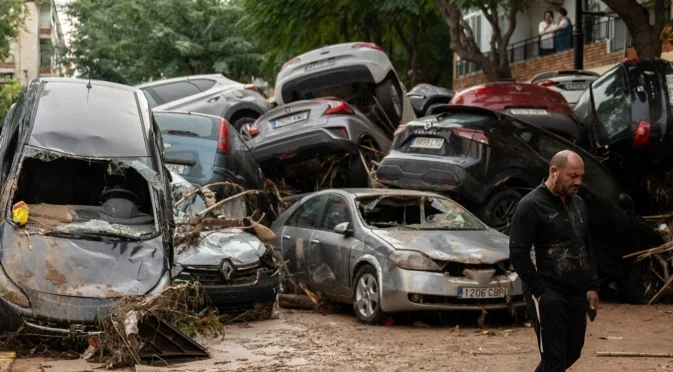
{"x":65,"y":24}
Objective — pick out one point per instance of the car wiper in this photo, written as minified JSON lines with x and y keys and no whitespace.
{"x":182,"y":133}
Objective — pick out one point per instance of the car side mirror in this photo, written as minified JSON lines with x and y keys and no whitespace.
{"x":626,"y":201}
{"x":343,"y":228}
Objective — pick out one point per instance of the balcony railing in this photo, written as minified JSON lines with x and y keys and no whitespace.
{"x":615,"y":32}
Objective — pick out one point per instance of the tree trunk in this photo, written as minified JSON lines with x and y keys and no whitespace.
{"x":647,"y":43}
{"x":646,"y":36}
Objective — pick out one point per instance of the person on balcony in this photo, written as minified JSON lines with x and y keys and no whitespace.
{"x":547,"y":34}
{"x":563,"y":31}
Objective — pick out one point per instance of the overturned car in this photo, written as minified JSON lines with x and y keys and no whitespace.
{"x":98,"y":224}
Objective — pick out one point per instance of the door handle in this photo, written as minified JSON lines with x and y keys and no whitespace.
{"x":286,"y":237}
{"x":315,"y":241}
{"x":213,"y":99}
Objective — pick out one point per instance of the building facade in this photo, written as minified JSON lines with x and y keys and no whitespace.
{"x":32,"y":54}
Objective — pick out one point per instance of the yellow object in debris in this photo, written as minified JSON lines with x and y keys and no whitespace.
{"x":20,"y":212}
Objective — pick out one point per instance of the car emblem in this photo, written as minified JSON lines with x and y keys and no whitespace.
{"x":288,"y":110}
{"x":427,"y":125}
{"x":167,"y":145}
{"x":518,"y":87}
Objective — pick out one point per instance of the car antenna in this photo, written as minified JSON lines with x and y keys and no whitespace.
{"x":88,"y":86}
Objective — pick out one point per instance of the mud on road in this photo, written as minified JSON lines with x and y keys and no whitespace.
{"x":308,"y":341}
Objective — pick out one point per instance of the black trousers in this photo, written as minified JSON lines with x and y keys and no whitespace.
{"x":560,"y":329}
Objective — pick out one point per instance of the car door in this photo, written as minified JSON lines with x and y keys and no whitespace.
{"x":297,"y":235}
{"x":329,"y":252}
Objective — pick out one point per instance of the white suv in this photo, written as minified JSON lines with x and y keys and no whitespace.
{"x":570,"y":83}
{"x":353,"y":72}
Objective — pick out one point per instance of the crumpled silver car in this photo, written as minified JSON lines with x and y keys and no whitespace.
{"x":389,"y":251}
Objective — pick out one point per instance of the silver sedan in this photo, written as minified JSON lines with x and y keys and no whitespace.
{"x":389,"y":251}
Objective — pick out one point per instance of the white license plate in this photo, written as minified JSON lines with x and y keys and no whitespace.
{"x":179,"y":169}
{"x":528,"y":112}
{"x":318,"y":65}
{"x":427,"y":142}
{"x":669,"y":83}
{"x":293,"y":119}
{"x":493,"y":292}
{"x":577,"y":86}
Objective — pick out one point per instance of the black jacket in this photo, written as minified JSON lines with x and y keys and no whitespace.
{"x":562,"y":242}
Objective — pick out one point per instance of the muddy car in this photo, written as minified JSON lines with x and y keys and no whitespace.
{"x":99,"y":222}
{"x":319,"y":142}
{"x":386,"y":251}
{"x":232,"y":265}
{"x":489,"y":160}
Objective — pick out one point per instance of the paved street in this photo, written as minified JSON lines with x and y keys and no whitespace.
{"x":306,"y":341}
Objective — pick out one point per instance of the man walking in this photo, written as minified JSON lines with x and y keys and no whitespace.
{"x":562,"y":281}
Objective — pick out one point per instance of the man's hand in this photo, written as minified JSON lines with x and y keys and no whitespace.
{"x":592,"y":297}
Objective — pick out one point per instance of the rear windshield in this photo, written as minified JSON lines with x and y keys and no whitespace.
{"x":416,"y":212}
{"x":612,"y":105}
{"x":188,"y":125}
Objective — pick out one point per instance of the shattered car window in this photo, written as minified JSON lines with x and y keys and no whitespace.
{"x":87,"y":197}
{"x":418,"y":212}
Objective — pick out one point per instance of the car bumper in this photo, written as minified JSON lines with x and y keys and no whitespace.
{"x":326,"y":79}
{"x":418,"y":172}
{"x":439,"y":291}
{"x":234,"y":298}
{"x":302,"y":146}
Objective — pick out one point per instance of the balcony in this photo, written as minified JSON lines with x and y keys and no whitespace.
{"x":612,"y":32}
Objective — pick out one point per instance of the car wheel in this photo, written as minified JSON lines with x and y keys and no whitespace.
{"x":641,"y":283}
{"x":390,"y":98}
{"x":358,"y":174}
{"x":367,"y":296}
{"x":428,"y":111}
{"x":242,"y":125}
{"x":498,"y":210}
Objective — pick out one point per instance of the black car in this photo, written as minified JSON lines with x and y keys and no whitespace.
{"x":206,"y":149}
{"x":489,"y":160}
{"x":425,"y":97}
{"x":629,"y":110}
{"x":86,"y":158}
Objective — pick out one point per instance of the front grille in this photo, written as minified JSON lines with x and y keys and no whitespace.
{"x":446,"y":300}
{"x":210,"y":275}
{"x":457,"y":269}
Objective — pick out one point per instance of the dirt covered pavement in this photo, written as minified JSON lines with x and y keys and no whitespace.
{"x":308,"y":341}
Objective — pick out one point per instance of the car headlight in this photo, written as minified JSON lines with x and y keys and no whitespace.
{"x":412,"y":260}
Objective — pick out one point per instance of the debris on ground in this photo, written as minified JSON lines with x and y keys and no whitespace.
{"x":76,"y":365}
{"x":632,"y":355}
{"x":294,"y":301}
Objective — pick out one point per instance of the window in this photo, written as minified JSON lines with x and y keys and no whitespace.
{"x":336,"y":212}
{"x":46,"y":52}
{"x":612,"y":105}
{"x":176,"y":91}
{"x":203,"y":84}
{"x":150,"y":99}
{"x":475,"y":24}
{"x":308,"y":214}
{"x":188,"y":125}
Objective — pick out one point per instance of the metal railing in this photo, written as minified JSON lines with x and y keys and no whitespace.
{"x":615,"y":32}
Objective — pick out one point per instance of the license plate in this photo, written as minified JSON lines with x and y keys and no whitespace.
{"x":179,"y":169}
{"x":427,"y":142}
{"x":293,"y":119}
{"x":318,"y":65}
{"x":528,"y":112}
{"x":669,"y":83}
{"x":577,"y":86}
{"x":493,"y":292}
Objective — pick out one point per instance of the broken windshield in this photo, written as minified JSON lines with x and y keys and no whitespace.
{"x":416,"y":212}
{"x":87,"y":197}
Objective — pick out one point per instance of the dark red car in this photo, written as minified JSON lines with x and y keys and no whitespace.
{"x":535,"y":104}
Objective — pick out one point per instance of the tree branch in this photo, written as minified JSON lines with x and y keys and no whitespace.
{"x":513,"y":10}
{"x":660,"y":16}
{"x":462,"y":37}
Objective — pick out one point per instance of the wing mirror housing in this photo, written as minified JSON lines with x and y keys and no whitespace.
{"x":626,"y":201}
{"x":344,"y":228}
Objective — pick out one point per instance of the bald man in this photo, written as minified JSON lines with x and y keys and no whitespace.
{"x":562,"y":284}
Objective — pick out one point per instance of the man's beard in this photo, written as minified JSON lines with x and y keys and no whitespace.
{"x":569,"y":190}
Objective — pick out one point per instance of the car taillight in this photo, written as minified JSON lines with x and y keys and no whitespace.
{"x":482,"y":90}
{"x":293,"y":60}
{"x":337,"y":107}
{"x":632,"y":61}
{"x":400,"y":129}
{"x":254,"y":129}
{"x":471,"y":134}
{"x":546,"y":83}
{"x":367,"y":45}
{"x":223,"y":141}
{"x":642,"y":134}
{"x":251,"y":87}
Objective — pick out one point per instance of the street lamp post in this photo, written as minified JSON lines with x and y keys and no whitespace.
{"x":578,"y":36}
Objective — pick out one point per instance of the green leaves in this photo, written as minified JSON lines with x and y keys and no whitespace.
{"x":132,"y":41}
{"x":11,"y":20}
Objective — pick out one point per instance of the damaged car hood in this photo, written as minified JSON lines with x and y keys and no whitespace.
{"x":469,"y":246}
{"x":79,"y":267}
{"x":241,"y":248}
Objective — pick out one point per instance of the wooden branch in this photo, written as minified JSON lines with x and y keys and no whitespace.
{"x":629,"y":354}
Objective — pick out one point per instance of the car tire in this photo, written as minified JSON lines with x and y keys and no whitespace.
{"x":367,"y":296}
{"x":389,"y":96}
{"x":640,"y":284}
{"x":498,"y":209}
{"x":242,"y":126}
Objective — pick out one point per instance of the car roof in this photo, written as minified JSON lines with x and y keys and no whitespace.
{"x":561,"y":73}
{"x":178,"y":112}
{"x":219,"y":77}
{"x":364,"y":193}
{"x":86,"y":117}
